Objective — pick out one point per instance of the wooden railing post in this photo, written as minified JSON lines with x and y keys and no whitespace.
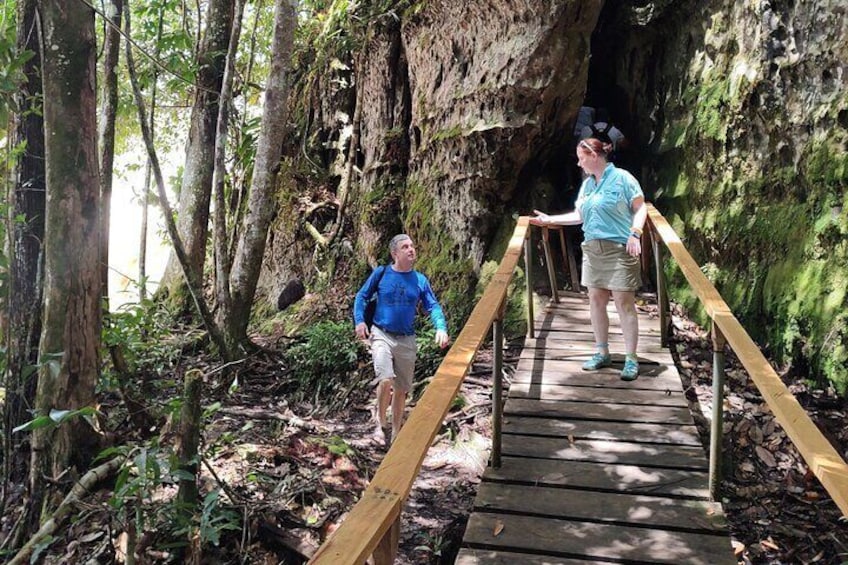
{"x":528,"y":278}
{"x":717,"y":426}
{"x":546,"y":244}
{"x":387,"y":549}
{"x":662,"y":293}
{"x":568,"y":258}
{"x":497,"y":387}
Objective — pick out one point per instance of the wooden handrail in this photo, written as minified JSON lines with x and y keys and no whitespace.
{"x":377,"y":513}
{"x":824,"y":461}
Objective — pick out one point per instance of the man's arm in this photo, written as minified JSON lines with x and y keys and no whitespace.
{"x":437,"y":315}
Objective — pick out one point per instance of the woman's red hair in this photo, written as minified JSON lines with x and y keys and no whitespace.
{"x":596,"y":146}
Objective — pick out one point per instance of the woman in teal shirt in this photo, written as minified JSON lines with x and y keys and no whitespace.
{"x":611,"y":207}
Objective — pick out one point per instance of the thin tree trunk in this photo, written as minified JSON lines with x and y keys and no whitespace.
{"x":26,"y":254}
{"x":145,"y":199}
{"x":70,"y":336}
{"x":109,"y":109}
{"x":260,"y":211}
{"x":196,"y":190}
{"x":238,"y":188}
{"x":187,"y":455}
{"x":192,"y":278}
{"x":223,"y":261}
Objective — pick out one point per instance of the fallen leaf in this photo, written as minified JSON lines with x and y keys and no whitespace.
{"x":768,"y":543}
{"x":738,"y":547}
{"x":765,"y":456}
{"x":499,"y":527}
{"x":94,"y":536}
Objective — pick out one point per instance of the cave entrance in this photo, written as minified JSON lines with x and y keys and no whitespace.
{"x":603,"y":89}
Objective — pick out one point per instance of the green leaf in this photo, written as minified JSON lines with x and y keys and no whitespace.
{"x":34,"y":424}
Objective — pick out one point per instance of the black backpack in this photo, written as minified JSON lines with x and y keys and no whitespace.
{"x":371,"y":305}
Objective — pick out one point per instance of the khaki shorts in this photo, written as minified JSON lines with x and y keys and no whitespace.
{"x":606,"y":264}
{"x":394,"y":358}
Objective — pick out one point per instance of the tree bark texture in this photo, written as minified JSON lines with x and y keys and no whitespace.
{"x":261,"y":203}
{"x":26,"y":237}
{"x":70,"y":336}
{"x":189,"y":440}
{"x":196,"y":190}
{"x":106,"y":134}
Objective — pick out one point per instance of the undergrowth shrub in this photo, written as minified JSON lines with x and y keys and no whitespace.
{"x":323,"y":364}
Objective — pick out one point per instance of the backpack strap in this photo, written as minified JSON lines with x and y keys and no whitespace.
{"x":375,"y":284}
{"x":598,"y":132}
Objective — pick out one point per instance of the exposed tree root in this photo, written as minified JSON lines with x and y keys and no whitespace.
{"x":91,"y":478}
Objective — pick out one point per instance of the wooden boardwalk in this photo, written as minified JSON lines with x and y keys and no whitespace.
{"x":595,"y":469}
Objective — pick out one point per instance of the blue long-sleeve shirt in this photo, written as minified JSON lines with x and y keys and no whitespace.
{"x":398,"y":295}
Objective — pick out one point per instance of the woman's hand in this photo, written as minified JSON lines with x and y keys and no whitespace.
{"x":634,"y":246}
{"x":541,"y":219}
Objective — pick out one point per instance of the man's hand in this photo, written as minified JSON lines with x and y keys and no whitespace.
{"x":442,"y":339}
{"x":362,"y":330}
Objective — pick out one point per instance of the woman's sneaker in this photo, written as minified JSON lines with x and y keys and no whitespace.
{"x":630,"y":372}
{"x":597,"y":361}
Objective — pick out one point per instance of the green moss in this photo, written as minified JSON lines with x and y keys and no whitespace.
{"x":439,"y":256}
{"x":449,"y":133}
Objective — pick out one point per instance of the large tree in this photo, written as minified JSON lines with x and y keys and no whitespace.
{"x":70,"y":336}
{"x":196,"y":189}
{"x":261,"y":203}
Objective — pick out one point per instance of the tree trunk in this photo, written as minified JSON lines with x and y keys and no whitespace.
{"x":196,"y":190}
{"x":145,"y":199}
{"x":223,"y":260}
{"x":26,"y":238}
{"x":260,"y":210}
{"x":106,"y":135}
{"x":70,"y":337}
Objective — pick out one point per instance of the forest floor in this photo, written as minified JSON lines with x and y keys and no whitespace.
{"x":292,"y":477}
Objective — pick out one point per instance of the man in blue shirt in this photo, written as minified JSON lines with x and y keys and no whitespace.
{"x":399,"y":290}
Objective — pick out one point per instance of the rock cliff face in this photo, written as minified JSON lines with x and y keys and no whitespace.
{"x":462,"y":98}
{"x":740,"y":111}
{"x":736,"y":113}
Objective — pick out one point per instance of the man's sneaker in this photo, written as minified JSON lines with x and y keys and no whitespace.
{"x":630,"y":372}
{"x":597,"y":361}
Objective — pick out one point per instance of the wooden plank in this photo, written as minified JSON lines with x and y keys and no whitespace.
{"x":557,"y":344}
{"x":634,"y":479}
{"x":602,"y":451}
{"x":641,"y":397}
{"x":824,"y":461}
{"x":571,"y":325}
{"x":616,"y":507}
{"x":657,"y":377}
{"x":571,"y":362}
{"x":597,"y":541}
{"x":470,"y":556}
{"x":609,"y":412}
{"x":678,"y":434}
{"x":580,"y":332}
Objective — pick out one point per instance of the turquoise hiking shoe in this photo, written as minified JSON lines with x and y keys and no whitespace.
{"x":630,"y":372}
{"x":597,"y":361}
